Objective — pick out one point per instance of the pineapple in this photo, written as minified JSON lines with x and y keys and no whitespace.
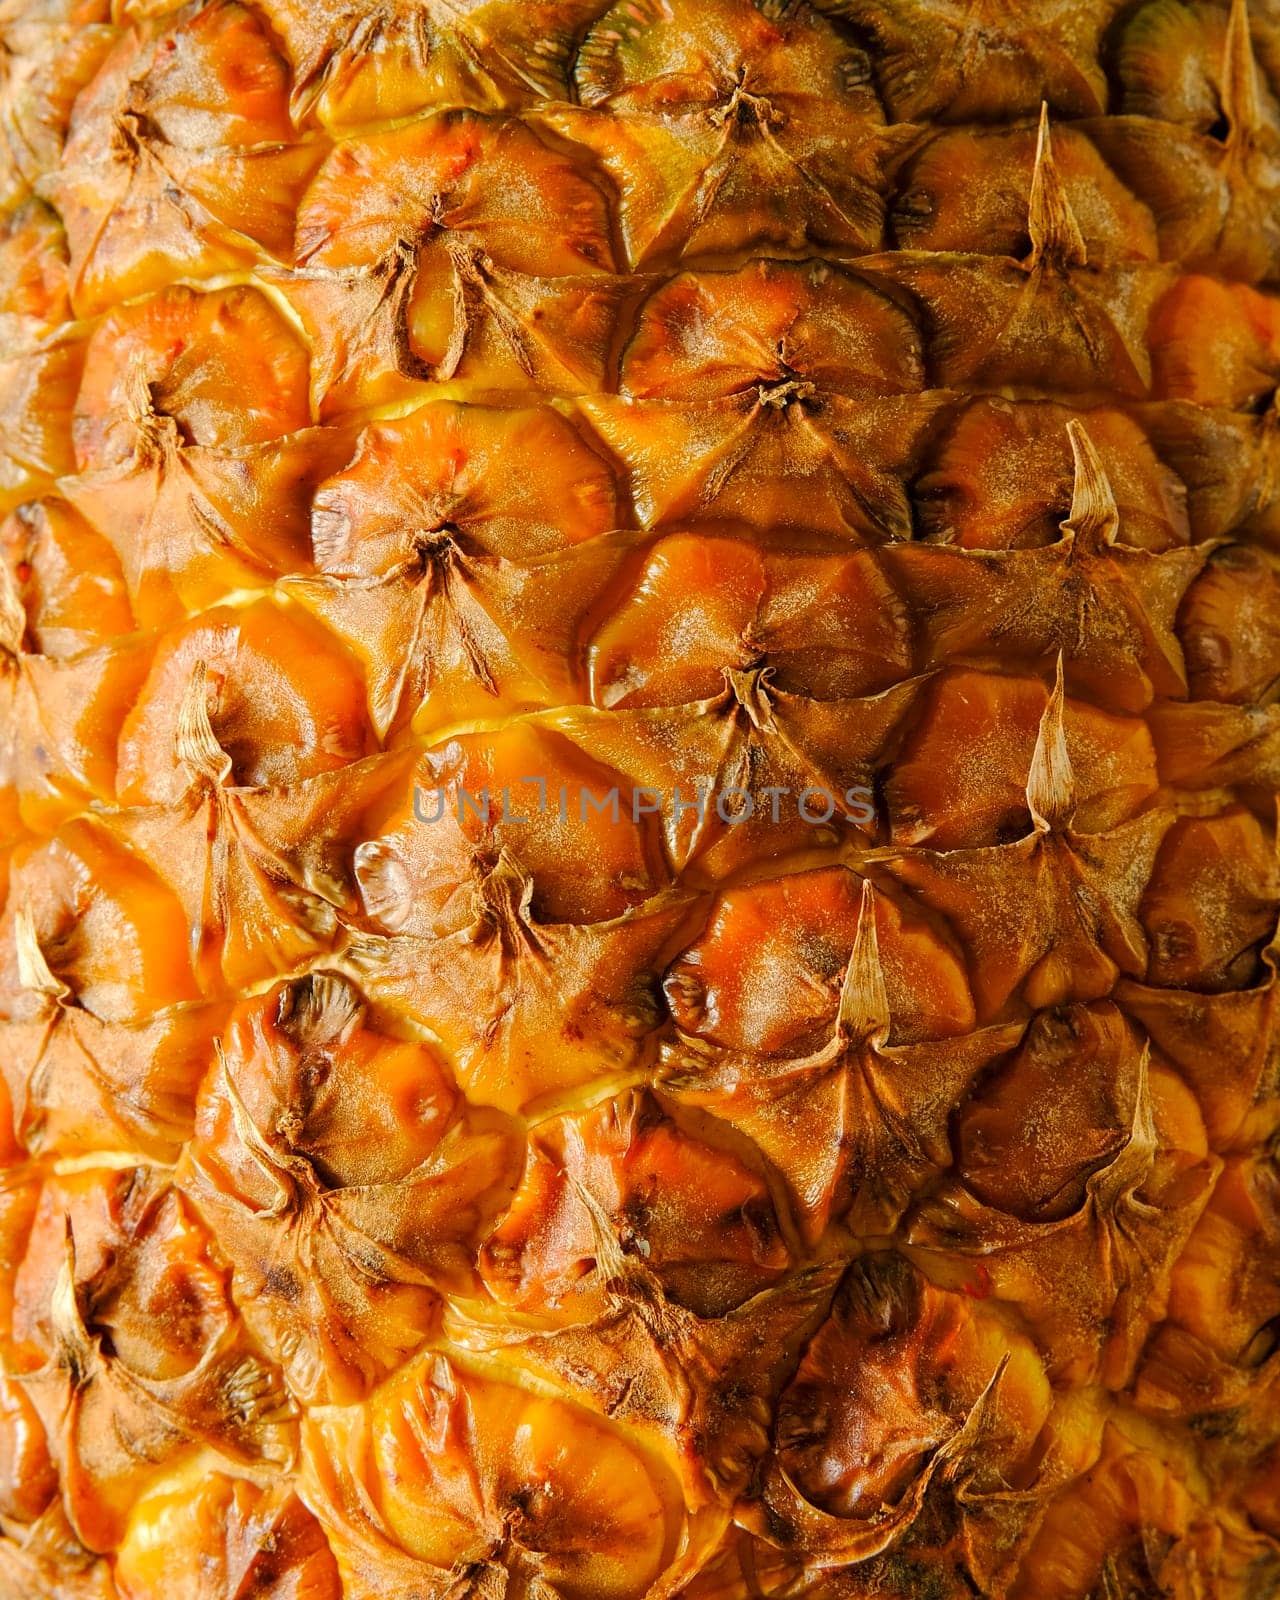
{"x":638,"y":800}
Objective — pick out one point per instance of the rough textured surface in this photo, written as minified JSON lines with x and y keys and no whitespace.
{"x":437,"y":394}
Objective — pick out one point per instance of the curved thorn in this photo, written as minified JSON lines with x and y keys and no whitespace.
{"x":195,"y":744}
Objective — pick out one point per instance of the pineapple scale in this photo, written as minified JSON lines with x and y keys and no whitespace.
{"x":638,"y":770}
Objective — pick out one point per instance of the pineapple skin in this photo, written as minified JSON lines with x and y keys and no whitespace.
{"x":410,"y":399}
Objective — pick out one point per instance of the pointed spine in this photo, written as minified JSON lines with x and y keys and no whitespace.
{"x":13,"y":616}
{"x":1239,"y":94}
{"x":1055,"y":233}
{"x":1051,"y":790}
{"x":613,"y":1266}
{"x":1118,"y":1183}
{"x":34,"y":972}
{"x":864,"y":1013}
{"x":1143,"y":1135}
{"x":972,"y":1434}
{"x":1094,"y":518}
{"x":156,"y":433}
{"x":72,"y":1344}
{"x":280,"y":1177}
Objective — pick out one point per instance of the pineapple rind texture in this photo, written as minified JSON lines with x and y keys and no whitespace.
{"x":405,"y":401}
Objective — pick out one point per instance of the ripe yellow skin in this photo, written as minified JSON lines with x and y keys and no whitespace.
{"x":538,"y":398}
